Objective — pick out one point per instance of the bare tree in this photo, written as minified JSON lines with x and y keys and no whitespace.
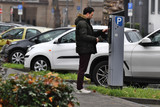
{"x":57,"y":22}
{"x":112,"y":7}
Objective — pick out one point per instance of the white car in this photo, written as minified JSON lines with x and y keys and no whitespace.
{"x":60,"y":54}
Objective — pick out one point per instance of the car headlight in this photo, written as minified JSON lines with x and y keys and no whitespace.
{"x":30,"y":48}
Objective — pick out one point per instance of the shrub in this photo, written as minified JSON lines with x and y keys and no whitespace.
{"x":36,"y":91}
{"x":3,"y":70}
{"x":136,"y":25}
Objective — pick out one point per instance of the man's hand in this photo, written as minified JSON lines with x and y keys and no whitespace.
{"x":105,"y":30}
{"x":97,"y":39}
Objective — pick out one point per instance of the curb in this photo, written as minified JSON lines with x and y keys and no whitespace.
{"x":143,"y":101}
{"x":22,"y":70}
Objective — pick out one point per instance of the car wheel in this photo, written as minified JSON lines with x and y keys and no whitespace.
{"x":40,"y":64}
{"x":17,"y":57}
{"x":100,"y":74}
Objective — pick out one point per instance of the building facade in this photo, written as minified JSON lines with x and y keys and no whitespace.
{"x":140,"y":15}
{"x":154,"y":15}
{"x":147,"y":14}
{"x":34,"y":11}
{"x":42,"y":12}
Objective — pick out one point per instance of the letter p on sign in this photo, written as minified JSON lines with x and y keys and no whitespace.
{"x":119,"y":20}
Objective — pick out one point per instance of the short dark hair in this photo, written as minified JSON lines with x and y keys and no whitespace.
{"x":88,"y":10}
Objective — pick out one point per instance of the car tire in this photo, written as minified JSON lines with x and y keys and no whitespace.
{"x":17,"y":57}
{"x":40,"y":64}
{"x":100,"y":74}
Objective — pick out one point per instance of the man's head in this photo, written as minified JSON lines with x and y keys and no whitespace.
{"x":88,"y":12}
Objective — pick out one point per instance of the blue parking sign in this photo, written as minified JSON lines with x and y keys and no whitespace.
{"x":119,"y":20}
{"x":130,"y":5}
{"x":52,"y":10}
{"x":20,"y":7}
{"x":78,"y":8}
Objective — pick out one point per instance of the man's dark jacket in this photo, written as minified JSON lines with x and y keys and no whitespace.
{"x":85,"y":36}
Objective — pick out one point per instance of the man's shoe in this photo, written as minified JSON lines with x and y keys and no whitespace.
{"x":83,"y":91}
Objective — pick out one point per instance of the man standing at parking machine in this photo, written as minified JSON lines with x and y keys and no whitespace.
{"x":86,"y":40}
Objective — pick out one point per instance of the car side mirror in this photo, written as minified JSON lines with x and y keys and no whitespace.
{"x":57,"y":41}
{"x":36,"y":41}
{"x":146,"y":42}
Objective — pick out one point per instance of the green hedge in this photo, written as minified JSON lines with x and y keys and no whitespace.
{"x":135,"y":26}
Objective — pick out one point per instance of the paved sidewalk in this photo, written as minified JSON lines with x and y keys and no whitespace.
{"x":95,"y":99}
{"x":98,"y":100}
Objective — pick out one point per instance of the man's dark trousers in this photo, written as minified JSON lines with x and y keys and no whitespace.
{"x":83,"y":64}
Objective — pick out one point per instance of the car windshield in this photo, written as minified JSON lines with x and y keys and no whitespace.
{"x":133,"y":36}
{"x":48,"y":36}
{"x":13,"y":34}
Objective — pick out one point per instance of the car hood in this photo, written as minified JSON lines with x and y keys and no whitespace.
{"x":40,"y":45}
{"x":18,"y":42}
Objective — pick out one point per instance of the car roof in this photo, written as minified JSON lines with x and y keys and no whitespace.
{"x":7,"y":24}
{"x":64,"y":27}
{"x":59,"y":28}
{"x":99,"y":27}
{"x":105,"y":27}
{"x":130,"y":29}
{"x":10,"y":24}
{"x":34,"y":27}
{"x":18,"y":23}
{"x":41,"y":29}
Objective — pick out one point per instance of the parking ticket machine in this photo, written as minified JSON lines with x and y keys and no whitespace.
{"x":116,"y":49}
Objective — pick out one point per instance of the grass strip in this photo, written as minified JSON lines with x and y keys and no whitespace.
{"x":16,"y":66}
{"x":68,"y":76}
{"x":64,"y":76}
{"x":130,"y":92}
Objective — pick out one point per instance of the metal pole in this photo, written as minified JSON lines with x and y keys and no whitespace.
{"x":130,"y":21}
{"x":1,"y":13}
{"x":134,"y":4}
{"x":66,"y":13}
{"x":11,"y":13}
{"x":81,"y":6}
{"x":130,"y":16}
{"x":140,"y":4}
{"x":90,"y":3}
{"x":20,"y":19}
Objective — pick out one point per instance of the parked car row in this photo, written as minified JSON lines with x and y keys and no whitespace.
{"x":55,"y":50}
{"x":60,"y":54}
{"x":14,"y":53}
{"x":6,"y":26}
{"x":20,"y":33}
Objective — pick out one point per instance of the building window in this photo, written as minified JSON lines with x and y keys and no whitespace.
{"x":158,"y":6}
{"x":152,"y":6}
